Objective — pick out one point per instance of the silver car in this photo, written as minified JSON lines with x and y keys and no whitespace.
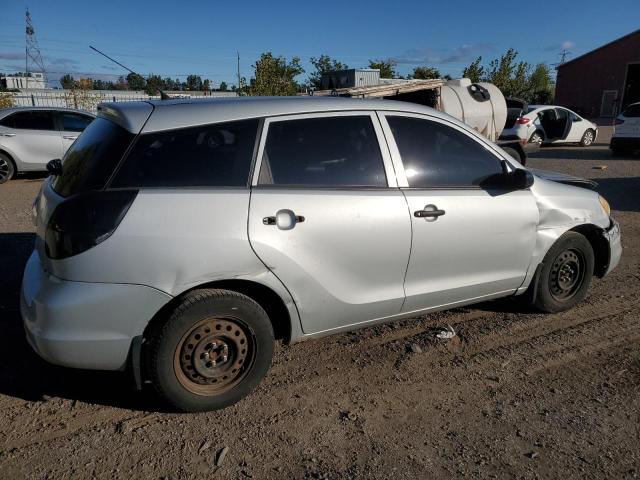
{"x":183,"y":237}
{"x":32,"y":136}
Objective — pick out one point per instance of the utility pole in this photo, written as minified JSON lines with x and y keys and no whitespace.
{"x":238,"y":89}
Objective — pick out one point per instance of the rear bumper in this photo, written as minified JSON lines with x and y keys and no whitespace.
{"x":625,"y":143}
{"x":612,"y":235}
{"x":84,"y":325}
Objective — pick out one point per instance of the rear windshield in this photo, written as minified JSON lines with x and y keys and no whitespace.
{"x":92,"y":158}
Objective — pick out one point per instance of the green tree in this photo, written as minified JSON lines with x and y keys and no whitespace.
{"x":509,"y":75}
{"x":223,"y":87}
{"x":154,"y":85}
{"x":275,"y":76}
{"x":67,"y":82}
{"x":541,"y":85}
{"x":323,"y":64}
{"x":425,"y":73}
{"x":194,"y":82}
{"x":206,"y":85}
{"x":136,"y":82}
{"x":475,"y":71}
{"x":387,"y":68}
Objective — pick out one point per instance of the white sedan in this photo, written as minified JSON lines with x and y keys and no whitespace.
{"x":551,"y":124}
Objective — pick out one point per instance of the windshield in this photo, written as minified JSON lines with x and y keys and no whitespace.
{"x":92,"y":158}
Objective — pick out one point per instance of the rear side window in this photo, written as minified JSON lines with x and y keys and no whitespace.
{"x":327,"y":151}
{"x":632,"y":111}
{"x":74,"y":122}
{"x":435,"y":155}
{"x":92,"y":158}
{"x":217,"y":155}
{"x":32,"y":120}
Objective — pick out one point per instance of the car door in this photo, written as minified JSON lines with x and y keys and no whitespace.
{"x":469,"y":242}
{"x":71,"y":124}
{"x":327,"y":218}
{"x":576,"y":129}
{"x":32,"y":138}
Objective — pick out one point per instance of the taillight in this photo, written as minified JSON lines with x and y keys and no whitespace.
{"x":85,"y":220}
{"x":522,"y":120}
{"x":618,"y":121}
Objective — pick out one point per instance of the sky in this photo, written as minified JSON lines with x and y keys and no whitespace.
{"x":175,"y":39}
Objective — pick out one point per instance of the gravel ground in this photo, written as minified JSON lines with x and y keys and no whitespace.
{"x":515,"y":395}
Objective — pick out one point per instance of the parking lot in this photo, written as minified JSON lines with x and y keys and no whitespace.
{"x":515,"y":394}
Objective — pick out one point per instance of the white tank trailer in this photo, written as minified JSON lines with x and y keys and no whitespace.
{"x":480,"y":105}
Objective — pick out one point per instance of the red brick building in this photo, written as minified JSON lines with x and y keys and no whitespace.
{"x":601,"y":82}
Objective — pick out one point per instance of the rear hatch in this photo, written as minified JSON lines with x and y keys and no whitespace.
{"x":86,"y":169}
{"x":515,"y":109}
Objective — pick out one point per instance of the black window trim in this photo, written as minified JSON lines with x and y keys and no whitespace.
{"x":397,"y":158}
{"x":385,"y":154}
{"x":57,"y":118}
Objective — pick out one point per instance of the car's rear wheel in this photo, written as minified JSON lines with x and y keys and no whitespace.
{"x":213,"y":350}
{"x":587,"y":138}
{"x":536,"y":137}
{"x":565,"y":275}
{"x":7,"y":168}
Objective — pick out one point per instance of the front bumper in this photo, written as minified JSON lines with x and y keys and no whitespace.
{"x":81,"y":324}
{"x":612,"y":235}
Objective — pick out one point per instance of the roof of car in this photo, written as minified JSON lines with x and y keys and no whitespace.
{"x":6,"y":111}
{"x":175,"y":113}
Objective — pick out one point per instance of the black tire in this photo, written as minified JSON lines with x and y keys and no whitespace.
{"x":175,"y":353}
{"x":619,"y":152}
{"x":537,"y":134}
{"x":565,"y":275}
{"x":7,"y":168}
{"x":588,"y":137}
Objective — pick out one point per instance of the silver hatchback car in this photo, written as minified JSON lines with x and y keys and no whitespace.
{"x":182,"y":237}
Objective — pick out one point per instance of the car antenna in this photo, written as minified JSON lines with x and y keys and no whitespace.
{"x":163,"y":96}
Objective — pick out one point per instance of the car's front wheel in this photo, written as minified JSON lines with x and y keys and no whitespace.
{"x":7,"y":168}
{"x":565,"y":275}
{"x":213,"y":350}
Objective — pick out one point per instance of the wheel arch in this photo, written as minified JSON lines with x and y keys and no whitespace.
{"x":266,"y":297}
{"x":598,"y":242}
{"x":4,"y":151}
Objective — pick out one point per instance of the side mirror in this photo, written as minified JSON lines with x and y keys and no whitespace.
{"x":54,"y":167}
{"x":519,"y":179}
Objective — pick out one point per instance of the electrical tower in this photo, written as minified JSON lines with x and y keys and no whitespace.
{"x":32,"y":49}
{"x":563,"y":55}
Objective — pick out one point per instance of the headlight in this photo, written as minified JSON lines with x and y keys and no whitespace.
{"x":605,"y":205}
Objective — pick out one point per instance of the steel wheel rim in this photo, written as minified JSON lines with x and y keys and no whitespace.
{"x":4,"y":169}
{"x":536,"y":138}
{"x":214,"y":356}
{"x":567,"y":274}
{"x":588,"y":138}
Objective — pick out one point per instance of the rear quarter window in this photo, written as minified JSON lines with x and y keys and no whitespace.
{"x":92,"y":158}
{"x":215,"y":155}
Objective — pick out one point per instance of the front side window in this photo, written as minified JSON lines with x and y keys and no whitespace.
{"x":216,"y":155}
{"x":435,"y":155}
{"x":325,"y":151}
{"x":31,"y":120}
{"x":74,"y":122}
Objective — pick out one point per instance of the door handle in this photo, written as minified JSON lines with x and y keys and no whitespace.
{"x":69,"y":137}
{"x":430,"y":213}
{"x":8,"y":134}
{"x":284,"y":219}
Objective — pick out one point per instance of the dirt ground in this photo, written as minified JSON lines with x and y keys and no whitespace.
{"x":515,"y":395}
